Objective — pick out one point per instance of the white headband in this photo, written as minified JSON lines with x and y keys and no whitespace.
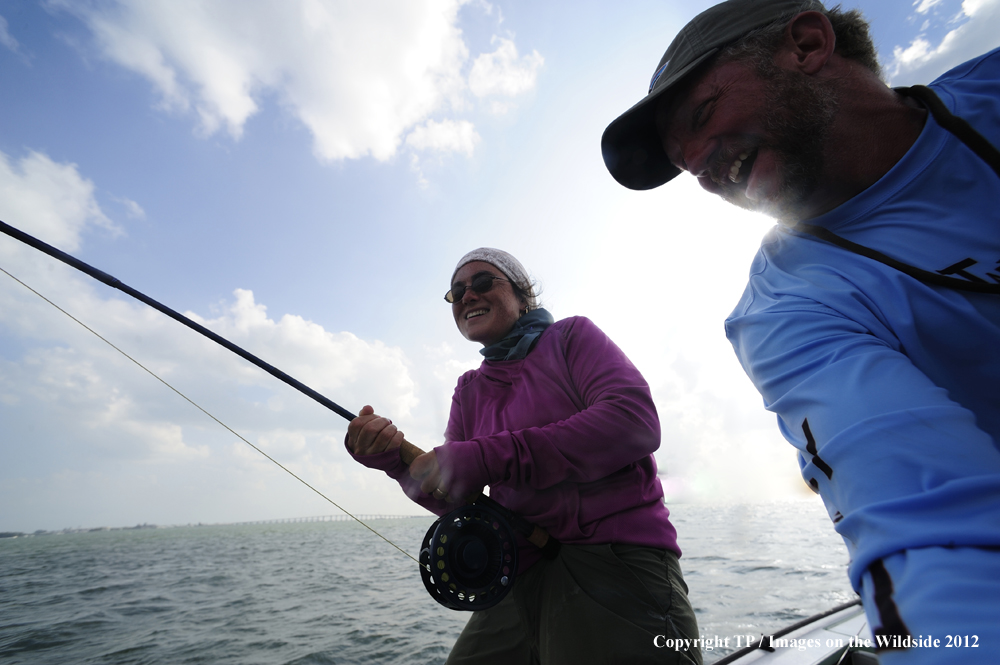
{"x":506,"y":264}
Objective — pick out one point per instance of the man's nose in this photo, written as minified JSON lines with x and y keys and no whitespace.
{"x":697,"y":156}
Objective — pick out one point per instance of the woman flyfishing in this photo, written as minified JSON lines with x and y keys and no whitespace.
{"x":562,"y":428}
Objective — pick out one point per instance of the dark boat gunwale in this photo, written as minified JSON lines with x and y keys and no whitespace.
{"x":784,"y":631}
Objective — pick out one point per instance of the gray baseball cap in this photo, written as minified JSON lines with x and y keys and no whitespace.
{"x":631,"y":145}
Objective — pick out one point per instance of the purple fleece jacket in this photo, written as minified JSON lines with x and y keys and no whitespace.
{"x":563,"y":437}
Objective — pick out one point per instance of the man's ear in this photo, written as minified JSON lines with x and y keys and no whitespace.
{"x":809,"y":43}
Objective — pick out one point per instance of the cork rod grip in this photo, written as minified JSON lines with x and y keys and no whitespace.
{"x":409,"y":452}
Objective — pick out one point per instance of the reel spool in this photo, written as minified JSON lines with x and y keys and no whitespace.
{"x":468,"y":558}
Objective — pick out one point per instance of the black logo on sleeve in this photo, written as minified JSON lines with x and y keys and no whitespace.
{"x":816,"y":459}
{"x":959,"y":270}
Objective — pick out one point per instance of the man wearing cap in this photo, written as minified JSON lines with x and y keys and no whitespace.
{"x":871,"y":320}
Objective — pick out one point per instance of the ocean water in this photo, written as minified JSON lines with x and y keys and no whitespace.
{"x":332,"y":592}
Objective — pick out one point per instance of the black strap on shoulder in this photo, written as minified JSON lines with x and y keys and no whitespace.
{"x":977,"y":144}
{"x":923,"y":275}
{"x":954,"y":124}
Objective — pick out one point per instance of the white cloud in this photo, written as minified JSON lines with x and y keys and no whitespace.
{"x":132,"y":209}
{"x":922,"y":61}
{"x":487,"y":8}
{"x":444,"y":136}
{"x":6,"y":39}
{"x":65,"y":370}
{"x":51,"y":201}
{"x":503,"y":72}
{"x":358,"y":75}
{"x":918,"y":51}
{"x":332,"y":363}
{"x":924,"y":6}
{"x":973,"y":7}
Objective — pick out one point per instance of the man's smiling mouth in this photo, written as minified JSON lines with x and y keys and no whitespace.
{"x":741,"y":166}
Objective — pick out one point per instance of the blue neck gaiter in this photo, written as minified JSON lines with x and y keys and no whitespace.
{"x":521,"y":338}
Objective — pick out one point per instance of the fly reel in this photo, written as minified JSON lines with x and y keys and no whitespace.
{"x":468,"y":557}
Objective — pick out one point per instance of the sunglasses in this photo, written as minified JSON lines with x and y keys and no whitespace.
{"x":481,"y":283}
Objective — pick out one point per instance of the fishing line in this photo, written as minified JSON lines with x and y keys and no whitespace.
{"x":468,"y":557}
{"x":864,"y":624}
{"x":197,"y":406}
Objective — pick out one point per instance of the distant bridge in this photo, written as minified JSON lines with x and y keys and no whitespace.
{"x":329,"y":518}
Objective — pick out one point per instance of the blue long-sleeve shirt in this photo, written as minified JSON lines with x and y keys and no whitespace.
{"x":889,"y":387}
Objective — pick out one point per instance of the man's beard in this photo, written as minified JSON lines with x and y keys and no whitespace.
{"x":799,"y":112}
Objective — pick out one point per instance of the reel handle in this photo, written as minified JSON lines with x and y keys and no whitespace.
{"x":535,"y":534}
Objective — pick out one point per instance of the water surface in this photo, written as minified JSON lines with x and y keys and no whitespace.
{"x":331,"y":592}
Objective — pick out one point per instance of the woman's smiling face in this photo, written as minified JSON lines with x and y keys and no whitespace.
{"x":485,"y":317}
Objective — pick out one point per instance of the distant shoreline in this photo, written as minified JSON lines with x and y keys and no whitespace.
{"x":284,"y":520}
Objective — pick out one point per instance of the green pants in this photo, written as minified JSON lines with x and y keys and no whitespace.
{"x":592,"y":604}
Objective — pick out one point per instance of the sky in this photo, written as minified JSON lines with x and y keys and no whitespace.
{"x":302,"y":177}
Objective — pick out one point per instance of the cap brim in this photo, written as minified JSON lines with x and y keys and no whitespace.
{"x":631,"y":145}
{"x":632,"y":150}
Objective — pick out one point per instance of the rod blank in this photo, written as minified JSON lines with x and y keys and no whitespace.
{"x":116,"y":283}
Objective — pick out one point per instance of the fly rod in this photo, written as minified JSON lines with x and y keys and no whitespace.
{"x":407,"y":451}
